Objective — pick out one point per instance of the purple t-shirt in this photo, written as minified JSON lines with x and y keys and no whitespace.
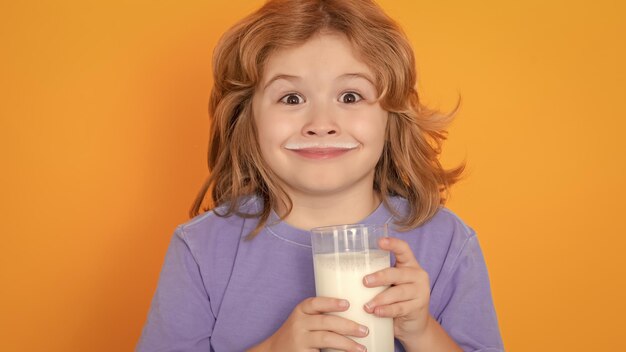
{"x":220,"y":293}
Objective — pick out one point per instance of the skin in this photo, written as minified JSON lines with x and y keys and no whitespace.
{"x":321,"y":77}
{"x":320,"y":92}
{"x":406,"y":301}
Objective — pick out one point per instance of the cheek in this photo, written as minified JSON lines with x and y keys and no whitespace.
{"x":266,"y":125}
{"x":372,"y":128}
{"x":266,"y":140}
{"x":272,"y":134}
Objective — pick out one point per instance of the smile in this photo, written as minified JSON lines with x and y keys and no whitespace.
{"x":321,"y":153}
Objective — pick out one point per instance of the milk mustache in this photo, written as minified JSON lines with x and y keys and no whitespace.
{"x":340,"y":275}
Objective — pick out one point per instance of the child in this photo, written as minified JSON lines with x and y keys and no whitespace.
{"x":316,"y":121}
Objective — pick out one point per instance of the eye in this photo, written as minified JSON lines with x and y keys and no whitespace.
{"x":292,"y":99}
{"x":350,"y":97}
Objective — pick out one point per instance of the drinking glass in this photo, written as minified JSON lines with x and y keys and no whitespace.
{"x":342,"y":256}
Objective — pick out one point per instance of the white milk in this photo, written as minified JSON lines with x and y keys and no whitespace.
{"x":341,"y":276}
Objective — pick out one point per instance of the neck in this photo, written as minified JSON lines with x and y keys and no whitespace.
{"x":323,"y":210}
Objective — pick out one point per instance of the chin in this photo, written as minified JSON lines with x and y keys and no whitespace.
{"x":321,"y":188}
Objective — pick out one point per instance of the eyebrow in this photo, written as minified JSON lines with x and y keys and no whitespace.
{"x":281,"y":76}
{"x":297,"y":78}
{"x":358,"y":75}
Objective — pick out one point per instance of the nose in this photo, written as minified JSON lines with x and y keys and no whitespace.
{"x":321,"y":122}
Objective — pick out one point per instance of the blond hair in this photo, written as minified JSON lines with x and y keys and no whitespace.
{"x":409,"y":165}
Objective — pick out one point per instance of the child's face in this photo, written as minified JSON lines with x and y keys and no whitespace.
{"x":320,"y":127}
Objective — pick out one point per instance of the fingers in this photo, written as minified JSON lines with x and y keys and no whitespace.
{"x":409,"y":285}
{"x":336,"y":324}
{"x":326,"y":339}
{"x":401,"y":249}
{"x":401,"y":309}
{"x":319,"y":305}
{"x":402,"y":300}
{"x":330,"y":331}
{"x":395,"y":276}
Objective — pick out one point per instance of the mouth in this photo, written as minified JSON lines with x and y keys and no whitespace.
{"x":321,"y":151}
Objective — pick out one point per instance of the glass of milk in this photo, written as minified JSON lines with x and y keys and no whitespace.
{"x":342,"y":256}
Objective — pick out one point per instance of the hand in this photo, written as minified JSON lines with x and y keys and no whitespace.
{"x":406,"y":301}
{"x":308,"y":329}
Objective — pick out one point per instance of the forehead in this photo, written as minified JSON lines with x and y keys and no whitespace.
{"x":328,"y":55}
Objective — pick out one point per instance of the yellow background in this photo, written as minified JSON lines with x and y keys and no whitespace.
{"x":103,"y":140}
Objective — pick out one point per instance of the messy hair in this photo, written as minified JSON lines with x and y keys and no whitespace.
{"x":408,"y":167}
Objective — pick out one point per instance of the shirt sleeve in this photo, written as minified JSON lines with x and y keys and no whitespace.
{"x":469,"y":315}
{"x":180,"y":316}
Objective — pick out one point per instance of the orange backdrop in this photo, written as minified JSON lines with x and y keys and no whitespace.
{"x":104,"y":135}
